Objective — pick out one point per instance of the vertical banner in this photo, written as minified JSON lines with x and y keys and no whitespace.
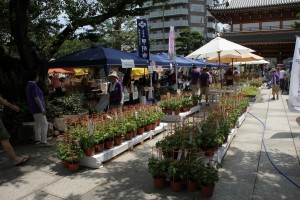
{"x":171,"y":51}
{"x":294,"y":92}
{"x":143,"y":39}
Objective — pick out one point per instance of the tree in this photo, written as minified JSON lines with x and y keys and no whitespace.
{"x":296,"y":25}
{"x":188,"y":42}
{"x":31,"y":34}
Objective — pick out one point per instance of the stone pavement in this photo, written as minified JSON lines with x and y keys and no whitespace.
{"x":246,"y":172}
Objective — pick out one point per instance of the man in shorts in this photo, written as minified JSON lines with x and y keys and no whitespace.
{"x":4,"y":138}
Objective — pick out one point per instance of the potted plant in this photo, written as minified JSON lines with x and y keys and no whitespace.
{"x":158,"y":168}
{"x":99,"y":138}
{"x":193,"y":173}
{"x":176,"y":171}
{"x":62,"y":153}
{"x":73,"y":156}
{"x":209,"y":176}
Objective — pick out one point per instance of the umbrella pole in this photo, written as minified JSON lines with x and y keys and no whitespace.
{"x":221,"y":77}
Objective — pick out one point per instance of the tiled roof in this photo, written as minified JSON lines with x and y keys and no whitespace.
{"x":237,"y":4}
{"x":281,"y":37}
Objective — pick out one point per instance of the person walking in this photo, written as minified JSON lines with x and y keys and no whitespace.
{"x":275,"y":83}
{"x":4,"y":138}
{"x":37,"y":108}
{"x":204,"y":85}
{"x":195,"y":73}
{"x":282,"y":78}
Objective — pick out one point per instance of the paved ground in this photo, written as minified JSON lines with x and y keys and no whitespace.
{"x":246,"y":172}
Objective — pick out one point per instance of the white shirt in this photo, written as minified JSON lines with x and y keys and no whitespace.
{"x":281,"y":74}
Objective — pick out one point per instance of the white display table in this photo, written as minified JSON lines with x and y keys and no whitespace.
{"x":96,"y":160}
{"x":181,"y":116}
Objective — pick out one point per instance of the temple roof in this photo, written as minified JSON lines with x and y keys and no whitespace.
{"x":242,"y":4}
{"x":260,"y":38}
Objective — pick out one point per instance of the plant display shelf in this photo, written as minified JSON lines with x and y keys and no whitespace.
{"x":97,"y":160}
{"x":181,"y":116}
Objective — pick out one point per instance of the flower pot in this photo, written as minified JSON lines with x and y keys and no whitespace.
{"x":176,"y":186}
{"x":109,"y":144}
{"x":177,"y":111}
{"x":209,"y":151}
{"x":153,"y":125}
{"x":128,"y":136}
{"x":89,"y":151}
{"x":118,"y":140}
{"x":140,"y":130}
{"x":99,"y":147}
{"x":168,"y":112}
{"x":74,"y":167}
{"x":158,"y":122}
{"x":159,"y":182}
{"x":148,"y":127}
{"x":207,"y":191}
{"x":192,"y":186}
{"x":65,"y":163}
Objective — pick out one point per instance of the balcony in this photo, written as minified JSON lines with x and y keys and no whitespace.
{"x":166,"y":13}
{"x":160,"y":25}
{"x":211,"y":25}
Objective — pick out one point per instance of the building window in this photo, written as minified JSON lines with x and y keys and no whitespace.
{"x":196,"y":8}
{"x":197,"y":19}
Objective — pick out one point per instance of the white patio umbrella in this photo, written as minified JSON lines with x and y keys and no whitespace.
{"x":220,"y":47}
{"x":241,"y":58}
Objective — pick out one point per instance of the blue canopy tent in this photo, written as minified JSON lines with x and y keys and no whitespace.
{"x":96,"y":56}
{"x":159,"y":61}
{"x":179,"y":61}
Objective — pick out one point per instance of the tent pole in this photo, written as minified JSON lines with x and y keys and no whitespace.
{"x":219,"y":57}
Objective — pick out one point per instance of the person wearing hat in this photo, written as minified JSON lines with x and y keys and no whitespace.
{"x":115,"y":91}
{"x":275,"y":83}
{"x":204,"y":85}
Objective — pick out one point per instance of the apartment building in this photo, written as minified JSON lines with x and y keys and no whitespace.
{"x":181,"y":14}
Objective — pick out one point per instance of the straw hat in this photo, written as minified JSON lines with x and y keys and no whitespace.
{"x":273,"y":70}
{"x":113,"y":73}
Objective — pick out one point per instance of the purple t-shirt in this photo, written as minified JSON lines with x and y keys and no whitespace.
{"x":116,"y":94}
{"x":195,"y":76}
{"x":275,"y":79}
{"x":204,"y":79}
{"x":32,"y":91}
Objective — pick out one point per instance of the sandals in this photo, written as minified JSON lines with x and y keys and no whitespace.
{"x":23,"y":161}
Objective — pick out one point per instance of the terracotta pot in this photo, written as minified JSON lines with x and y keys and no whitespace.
{"x":207,"y":191}
{"x":89,"y":151}
{"x":177,"y":112}
{"x":158,"y":122}
{"x":169,"y":112}
{"x":99,"y":147}
{"x":192,"y":186}
{"x":65,"y":163}
{"x":153,"y":125}
{"x":148,"y":127}
{"x":140,"y":130}
{"x":176,"y":186}
{"x":118,"y":140}
{"x":159,"y":182}
{"x":74,"y":167}
{"x":208,"y":151}
{"x":128,"y":136}
{"x":109,"y":144}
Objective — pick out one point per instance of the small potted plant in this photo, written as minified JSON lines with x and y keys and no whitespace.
{"x":62,"y":153}
{"x":158,"y":168}
{"x":208,"y":177}
{"x":73,"y":156}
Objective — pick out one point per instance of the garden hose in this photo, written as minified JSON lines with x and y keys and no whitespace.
{"x":269,"y":158}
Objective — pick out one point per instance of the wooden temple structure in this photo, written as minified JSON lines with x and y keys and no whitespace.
{"x":264,"y":26}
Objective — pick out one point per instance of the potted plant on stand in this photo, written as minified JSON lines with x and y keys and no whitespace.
{"x":208,"y":177}
{"x":158,"y":168}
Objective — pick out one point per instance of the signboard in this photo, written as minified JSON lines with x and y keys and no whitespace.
{"x":127,"y":63}
{"x":143,"y":39}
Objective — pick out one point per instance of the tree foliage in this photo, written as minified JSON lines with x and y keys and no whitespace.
{"x":31,"y":32}
{"x":296,"y":25}
{"x":188,"y":41}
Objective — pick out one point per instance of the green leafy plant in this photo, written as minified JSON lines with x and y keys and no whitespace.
{"x":158,"y":167}
{"x":209,"y":174}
